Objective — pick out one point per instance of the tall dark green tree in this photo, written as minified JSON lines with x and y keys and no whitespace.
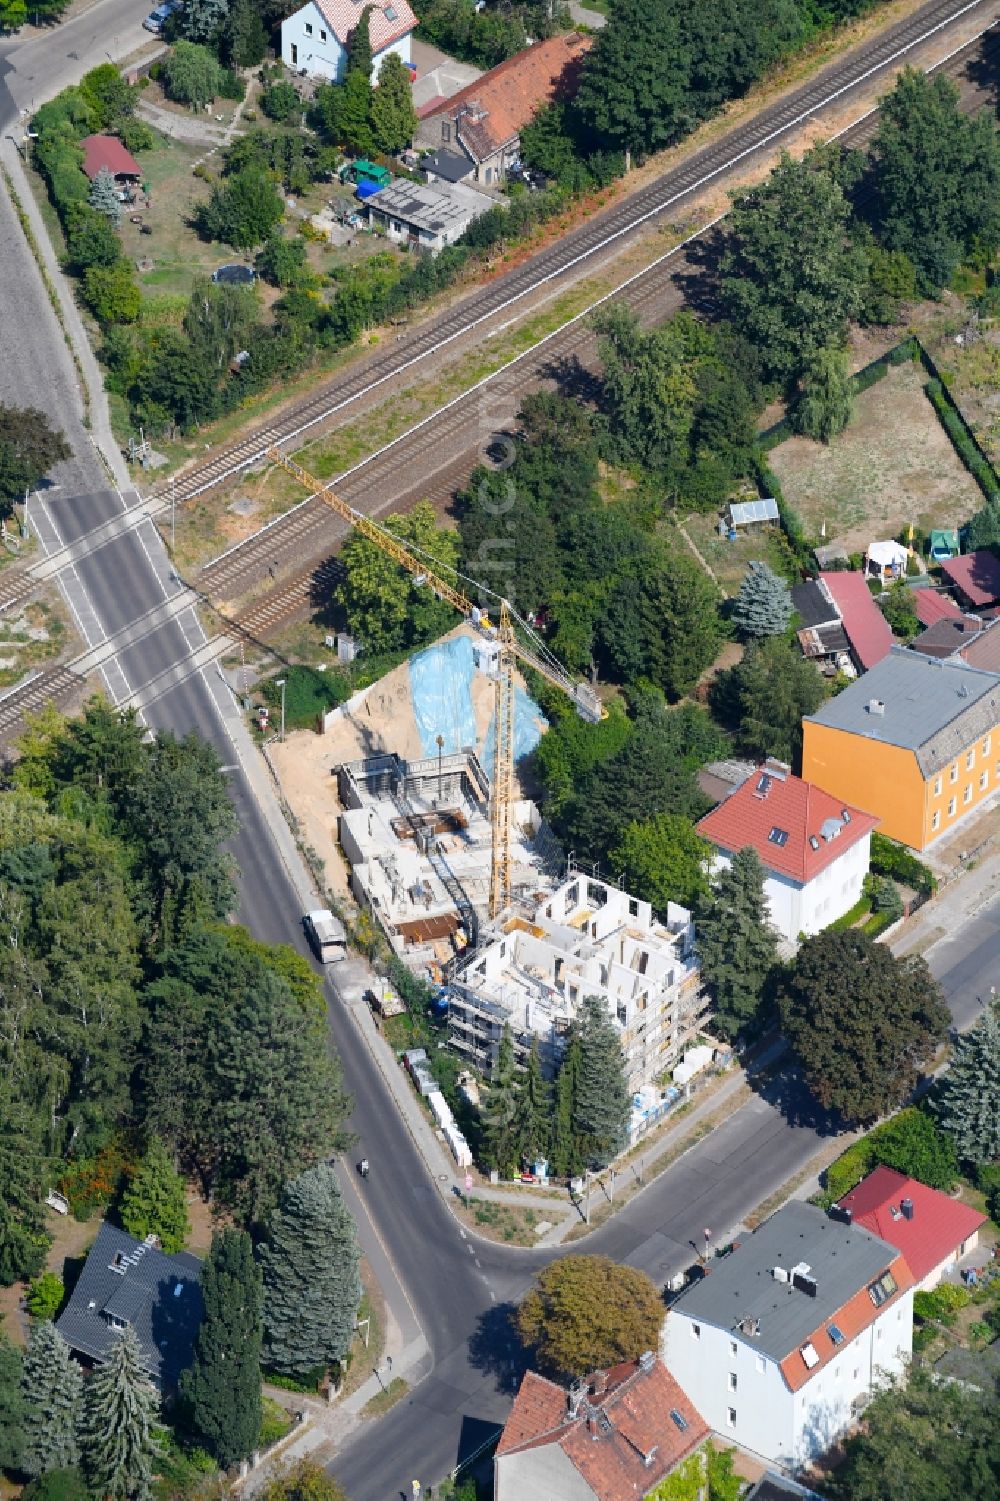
{"x":969,"y":1103}
{"x":532,"y":1124}
{"x":359,"y":45}
{"x":937,"y":175}
{"x":861,"y":1022}
{"x":245,"y":36}
{"x":222,"y":1385}
{"x":662,"y":624}
{"x":633,"y":92}
{"x":792,"y":278}
{"x":565,"y":1153}
{"x":765,"y":696}
{"x":825,"y":397}
{"x":155,"y":1202}
{"x":52,"y":1386}
{"x":23,"y":1238}
{"x":737,"y":945}
{"x":393,"y":117}
{"x":12,"y":1408}
{"x":500,"y":1110}
{"x":118,"y":1433}
{"x":311,"y":1284}
{"x":602,"y":1102}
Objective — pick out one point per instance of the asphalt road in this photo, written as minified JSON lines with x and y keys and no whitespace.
{"x":460,"y":1288}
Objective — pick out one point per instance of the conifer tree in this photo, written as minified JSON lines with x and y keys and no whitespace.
{"x":565,"y":1154}
{"x":11,"y":1405}
{"x":737,"y":945}
{"x":311,"y":1283}
{"x":763,"y":607}
{"x":104,"y":198}
{"x":351,"y":112}
{"x":500,"y":1109}
{"x":155,"y":1202}
{"x":223,"y":1382}
{"x":969,"y":1109}
{"x":245,"y":36}
{"x":602,"y":1103}
{"x":359,"y":46}
{"x":532,"y":1124}
{"x":393,"y":117}
{"x":118,"y":1436}
{"x":52,"y":1384}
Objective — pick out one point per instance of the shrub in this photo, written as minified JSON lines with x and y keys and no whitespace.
{"x":942,"y":1305}
{"x":891,"y":859}
{"x":281,"y":101}
{"x":308,"y":694}
{"x":45,"y":1296}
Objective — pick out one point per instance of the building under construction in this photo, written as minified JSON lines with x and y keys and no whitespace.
{"x":586,"y":938}
{"x":418,"y":838}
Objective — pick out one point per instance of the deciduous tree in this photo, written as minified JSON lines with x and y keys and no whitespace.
{"x":861,"y":1022}
{"x":191,"y":75}
{"x":52,"y":1386}
{"x":937,"y":176}
{"x":969,"y":1106}
{"x":304,"y":1482}
{"x":155,"y":1202}
{"x":29,"y":447}
{"x":765,"y":696}
{"x":791,"y":276}
{"x":663,"y":860}
{"x":243,"y":210}
{"x":825,"y":397}
{"x":588,"y":1313}
{"x":633,"y":93}
{"x":737,"y":944}
{"x":311,"y":1284}
{"x":118,"y":1436}
{"x":662,"y":624}
{"x":222,"y":1385}
{"x":385,"y":608}
{"x":393,"y":117}
{"x":763,"y":606}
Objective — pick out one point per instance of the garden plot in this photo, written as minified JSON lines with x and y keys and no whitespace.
{"x":893,"y":465}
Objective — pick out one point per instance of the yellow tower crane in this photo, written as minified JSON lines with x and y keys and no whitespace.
{"x":509,"y":648}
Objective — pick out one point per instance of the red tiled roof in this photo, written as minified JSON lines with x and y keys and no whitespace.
{"x":930,"y":606}
{"x":791,"y":806}
{"x":867,"y":628}
{"x":108,"y":151}
{"x":509,"y":94}
{"x":977,"y":574}
{"x":850,"y":1318}
{"x":613,"y":1431}
{"x":383,"y":28}
{"x":939,"y":1225}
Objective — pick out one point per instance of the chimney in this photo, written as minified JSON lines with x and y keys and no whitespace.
{"x":647,"y":1360}
{"x":876,"y":706}
{"x":906,"y":1205}
{"x":598,"y":1383}
{"x":574,"y":1397}
{"x":592,"y":1424}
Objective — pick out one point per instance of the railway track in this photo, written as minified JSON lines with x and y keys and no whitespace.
{"x":50,"y":687}
{"x":602,"y":234}
{"x":435,"y":459}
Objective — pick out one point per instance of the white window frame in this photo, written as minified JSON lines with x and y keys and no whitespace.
{"x":952,"y":807}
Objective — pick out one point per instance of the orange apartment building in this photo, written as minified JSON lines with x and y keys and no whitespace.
{"x":916,"y":741}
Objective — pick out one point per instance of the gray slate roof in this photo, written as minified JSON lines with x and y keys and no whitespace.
{"x":814,"y":605}
{"x":126,"y":1279}
{"x":842,"y":1258}
{"x":934,"y":708}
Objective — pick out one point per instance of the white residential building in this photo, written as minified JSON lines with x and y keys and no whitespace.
{"x":586,"y":939}
{"x":814,"y":850}
{"x":780,"y":1346}
{"x":314,"y":39}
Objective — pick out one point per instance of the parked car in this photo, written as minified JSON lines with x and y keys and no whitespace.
{"x":156,"y":19}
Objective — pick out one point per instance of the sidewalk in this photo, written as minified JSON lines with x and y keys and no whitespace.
{"x":954,"y":904}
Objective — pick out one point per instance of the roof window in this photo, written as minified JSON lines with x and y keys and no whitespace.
{"x":778,"y":837}
{"x":391,"y":13}
{"x":836,"y":1334}
{"x":679,"y":1420}
{"x":808,"y":1353}
{"x":882,"y":1289}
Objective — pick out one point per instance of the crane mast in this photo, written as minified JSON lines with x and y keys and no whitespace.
{"x":586,"y":702}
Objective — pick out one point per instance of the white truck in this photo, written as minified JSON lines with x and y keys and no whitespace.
{"x":326,"y":935}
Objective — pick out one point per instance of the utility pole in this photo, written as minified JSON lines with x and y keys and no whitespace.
{"x":281,"y":684}
{"x":173,"y":515}
{"x":440,"y":745}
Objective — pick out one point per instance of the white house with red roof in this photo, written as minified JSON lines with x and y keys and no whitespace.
{"x":931,"y":1229}
{"x":781,"y":1344}
{"x":613,"y":1437}
{"x":314,"y":40}
{"x":815,"y":850}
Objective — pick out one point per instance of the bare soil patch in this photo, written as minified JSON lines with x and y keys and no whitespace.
{"x":893,"y":465}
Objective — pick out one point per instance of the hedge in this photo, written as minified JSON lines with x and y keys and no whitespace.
{"x":891,"y":859}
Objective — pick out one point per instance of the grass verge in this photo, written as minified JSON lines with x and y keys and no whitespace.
{"x":381,"y":1403}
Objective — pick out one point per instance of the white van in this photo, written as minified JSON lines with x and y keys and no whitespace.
{"x":326,"y":935}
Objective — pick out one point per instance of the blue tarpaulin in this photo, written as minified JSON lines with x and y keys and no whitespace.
{"x":368,"y":189}
{"x":441,"y":692}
